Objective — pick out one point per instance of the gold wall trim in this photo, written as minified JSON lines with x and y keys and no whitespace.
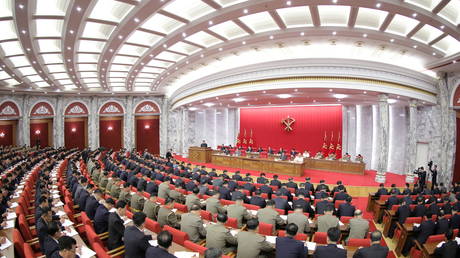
{"x":310,"y":78}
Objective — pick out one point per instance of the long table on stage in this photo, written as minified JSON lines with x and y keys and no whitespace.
{"x":265,"y":165}
{"x":271,"y":165}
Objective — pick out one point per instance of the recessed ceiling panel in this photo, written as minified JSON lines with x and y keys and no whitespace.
{"x":49,"y":45}
{"x":87,"y":58}
{"x":152,"y":70}
{"x":48,"y":27}
{"x":8,"y":30}
{"x":141,"y":89}
{"x":110,"y":10}
{"x":90,"y":80}
{"x":226,"y":3}
{"x":185,"y":48}
{"x":296,"y":16}
{"x":58,"y":76}
{"x":56,"y":68}
{"x":189,"y":9}
{"x":204,"y":39}
{"x":118,"y":89}
{"x":51,"y":7}
{"x":448,"y":45}
{"x":451,"y":12}
{"x":25,"y":71}
{"x":11,"y":48}
{"x":427,"y":33}
{"x":370,"y":18}
{"x":161,"y":23}
{"x":4,"y":75}
{"x":118,"y":67}
{"x":34,"y":78}
{"x":97,"y":30}
{"x":87,"y":67}
{"x":90,"y":46}
{"x":334,"y":15}
{"x":118,"y":74}
{"x":52,"y":58}
{"x":42,"y":84}
{"x":143,"y":38}
{"x":159,"y":63}
{"x":88,"y":74}
{"x":229,"y":30}
{"x":6,"y":8}
{"x":11,"y":82}
{"x":425,"y":4}
{"x":260,"y":22}
{"x":132,"y":50}
{"x":147,"y":75}
{"x":401,"y":25}
{"x":170,"y":56}
{"x":124,"y":60}
{"x":19,"y":61}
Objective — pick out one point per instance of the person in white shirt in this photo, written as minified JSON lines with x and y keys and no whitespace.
{"x":306,"y":154}
{"x":298,"y":158}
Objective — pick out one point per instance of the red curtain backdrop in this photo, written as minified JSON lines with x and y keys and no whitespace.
{"x":308,"y":129}
{"x":110,"y":139}
{"x":75,"y":139}
{"x":7,"y":132}
{"x":456,"y":177}
{"x":148,"y":138}
{"x":41,"y":138}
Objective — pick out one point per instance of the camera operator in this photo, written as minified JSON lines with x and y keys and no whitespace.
{"x":434,"y":173}
{"x":421,"y":176}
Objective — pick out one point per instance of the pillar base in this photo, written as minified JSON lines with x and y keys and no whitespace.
{"x":380,"y":178}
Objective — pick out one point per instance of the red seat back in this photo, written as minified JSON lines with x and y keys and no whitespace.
{"x":232,"y":222}
{"x":436,"y":238}
{"x":152,"y":225}
{"x":298,"y":236}
{"x":412,"y":220}
{"x":280,"y":211}
{"x":18,"y":242}
{"x":24,"y":228}
{"x":179,"y":237}
{"x":85,"y":219}
{"x":320,"y":238}
{"x":265,"y":229}
{"x":345,"y":219}
{"x":194,"y":247}
{"x":181,"y":207}
{"x":101,"y":253}
{"x":337,"y":203}
{"x":28,"y":251}
{"x":359,"y":242}
{"x":206,"y":215}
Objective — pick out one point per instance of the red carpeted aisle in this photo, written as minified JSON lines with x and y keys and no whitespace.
{"x":368,"y":179}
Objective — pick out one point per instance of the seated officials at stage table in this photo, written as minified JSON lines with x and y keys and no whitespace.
{"x":375,"y":250}
{"x":164,"y":240}
{"x":331,"y":249}
{"x":136,"y":242}
{"x":288,"y":247}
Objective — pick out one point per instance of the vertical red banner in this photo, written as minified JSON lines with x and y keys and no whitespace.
{"x":110,"y":133}
{"x":148,"y":134}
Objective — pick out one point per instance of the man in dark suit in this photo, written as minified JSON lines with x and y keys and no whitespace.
{"x":375,"y":250}
{"x":266,"y":189}
{"x":331,"y":249}
{"x":257,"y":200}
{"x":92,"y":203}
{"x":101,"y":218}
{"x":442,"y":225}
{"x":84,"y":196}
{"x":136,"y":242}
{"x":237,"y":176}
{"x":291,"y":183}
{"x":67,"y":248}
{"x":42,"y":226}
{"x":281,"y":203}
{"x":262,"y":179}
{"x":116,"y":226}
{"x":309,"y":186}
{"x":346,"y":209}
{"x":421,"y":233}
{"x":204,"y":144}
{"x":382,"y":191}
{"x":393,"y":200}
{"x":321,"y":206}
{"x":420,"y":209}
{"x":275,"y":181}
{"x":288,"y":247}
{"x":305,"y":204}
{"x":401,"y":213}
{"x":322,"y":186}
{"x":339,"y":187}
{"x":225,"y":192}
{"x":51,"y":240}
{"x":449,"y":248}
{"x":164,"y":239}
{"x":341,"y":195}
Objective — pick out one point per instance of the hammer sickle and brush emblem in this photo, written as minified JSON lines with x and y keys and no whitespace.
{"x":288,"y":123}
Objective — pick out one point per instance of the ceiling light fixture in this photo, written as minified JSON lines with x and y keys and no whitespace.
{"x":136,"y":19}
{"x":165,"y":46}
{"x":334,"y":33}
{"x":302,"y":33}
{"x":78,"y":8}
{"x":238,"y":100}
{"x":442,"y":27}
{"x":365,"y":35}
{"x":330,"y":90}
{"x":244,"y":42}
{"x":415,"y":46}
{"x":245,"y":11}
{"x":434,"y":53}
{"x":210,"y":22}
{"x":288,"y":3}
{"x":365,"y":92}
{"x":209,"y":104}
{"x":284,"y":96}
{"x":220,"y":49}
{"x":392,"y":40}
{"x":71,"y":31}
{"x":184,"y":34}
{"x":391,"y":101}
{"x":414,"y":15}
{"x":21,"y":6}
{"x":271,"y":37}
{"x":378,"y":5}
{"x":334,"y":1}
{"x":340,"y":96}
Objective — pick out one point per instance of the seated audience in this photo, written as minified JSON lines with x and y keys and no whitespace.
{"x":116,"y":226}
{"x":288,"y":247}
{"x":192,"y":224}
{"x":250,"y":243}
{"x":358,"y":226}
{"x":327,"y":221}
{"x":164,"y":240}
{"x":331,"y":249}
{"x":218,"y":236}
{"x":136,"y":242}
{"x":375,"y":250}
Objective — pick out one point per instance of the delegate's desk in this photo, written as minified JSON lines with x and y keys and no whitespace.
{"x":379,"y":207}
{"x":406,"y":231}
{"x":200,"y":154}
{"x":428,"y":249}
{"x":335,"y":166}
{"x":265,"y":165}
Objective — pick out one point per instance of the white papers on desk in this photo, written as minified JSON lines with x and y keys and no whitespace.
{"x":340,"y":223}
{"x":67,"y":223}
{"x":290,"y":203}
{"x":310,"y":245}
{"x":11,"y":215}
{"x":113,"y":210}
{"x":127,"y":221}
{"x":271,"y":239}
{"x":458,"y":240}
{"x":174,"y":210}
{"x":21,"y":186}
{"x":86,"y":252}
{"x":55,"y":187}
{"x":253,"y":212}
{"x":340,"y":246}
{"x":183,"y":254}
{"x":234,"y":232}
{"x":6,"y":244}
{"x":416,"y":225}
{"x":59,"y":204}
{"x":310,"y":221}
{"x":55,"y":192}
{"x":56,"y":196}
{"x":9,"y":224}
{"x":70,"y":233}
{"x":283,"y":217}
{"x":14,"y":205}
{"x":153,"y":242}
{"x":60,"y":213}
{"x":440,"y":244}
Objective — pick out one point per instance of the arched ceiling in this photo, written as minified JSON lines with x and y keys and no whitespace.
{"x":157,"y":46}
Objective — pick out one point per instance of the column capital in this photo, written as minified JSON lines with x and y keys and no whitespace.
{"x":413,"y":103}
{"x":383,"y":98}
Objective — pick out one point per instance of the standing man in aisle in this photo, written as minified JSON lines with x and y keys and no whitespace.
{"x":204,"y":144}
{"x":434,"y":174}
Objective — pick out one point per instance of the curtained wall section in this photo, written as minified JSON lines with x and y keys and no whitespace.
{"x":148,"y":133}
{"x":7,"y":133}
{"x":309,"y":127}
{"x":75,"y":133}
{"x":41,"y":132}
{"x":111,"y":139}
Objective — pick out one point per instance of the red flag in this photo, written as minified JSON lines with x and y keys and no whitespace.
{"x":325,"y":149}
{"x":238,"y":140}
{"x":245,"y":142}
{"x":251,"y":141}
{"x":338,"y":149}
{"x":331,"y":145}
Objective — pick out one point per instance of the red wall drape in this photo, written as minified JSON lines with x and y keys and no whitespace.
{"x":75,"y":139}
{"x":111,"y":139}
{"x":456,"y":177}
{"x":7,"y":138}
{"x":43,"y":137}
{"x":311,"y":122}
{"x":148,"y":138}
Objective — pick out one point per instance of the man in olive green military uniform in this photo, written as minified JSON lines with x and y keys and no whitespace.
{"x":327,"y":220}
{"x":238,"y":211}
{"x":192,"y":199}
{"x":250,"y":243}
{"x":151,"y":207}
{"x":270,"y":215}
{"x":176,"y":195}
{"x":125,"y":193}
{"x":138,"y":199}
{"x":110,"y":182}
{"x":163,"y":190}
{"x":213,"y":204}
{"x":166,"y":216}
{"x":218,"y":236}
{"x":298,"y":218}
{"x":115,"y":190}
{"x":103,"y":180}
{"x":192,"y":224}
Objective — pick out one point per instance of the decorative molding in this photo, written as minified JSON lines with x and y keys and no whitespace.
{"x":111,"y":108}
{"x":42,"y":109}
{"x":76,"y":109}
{"x":9,"y":109}
{"x":147,"y":107}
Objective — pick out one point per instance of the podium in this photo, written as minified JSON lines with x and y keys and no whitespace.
{"x":200,"y":154}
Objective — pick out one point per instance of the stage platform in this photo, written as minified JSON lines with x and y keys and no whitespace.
{"x":357,"y":185}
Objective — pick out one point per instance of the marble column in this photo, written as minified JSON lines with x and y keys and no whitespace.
{"x":164,"y":120}
{"x":24,"y":123}
{"x":58,"y":124}
{"x":349,"y":139}
{"x":411,"y":150}
{"x":93,"y":124}
{"x":383,"y":132}
{"x":128,"y":124}
{"x":448,"y":133}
